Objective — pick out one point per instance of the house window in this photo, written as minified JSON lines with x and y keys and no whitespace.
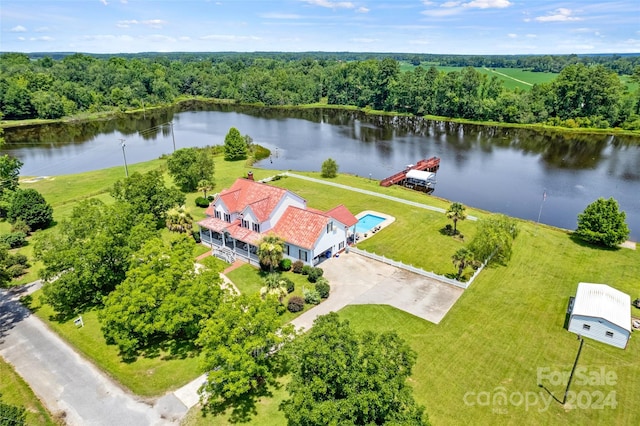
{"x":286,"y":247}
{"x":245,"y":223}
{"x":217,"y":214}
{"x":329,"y":227}
{"x":227,"y":217}
{"x":302,"y":255}
{"x":586,"y":327}
{"x":341,"y":245}
{"x":256,"y":227}
{"x":609,"y":333}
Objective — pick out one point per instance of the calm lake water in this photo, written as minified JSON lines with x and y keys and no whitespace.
{"x":496,"y":169}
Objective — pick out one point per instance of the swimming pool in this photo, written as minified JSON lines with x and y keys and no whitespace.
{"x":367,"y":222}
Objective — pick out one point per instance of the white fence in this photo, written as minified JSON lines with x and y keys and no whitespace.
{"x":416,"y":270}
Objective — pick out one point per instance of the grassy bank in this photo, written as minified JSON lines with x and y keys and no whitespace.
{"x":16,"y":392}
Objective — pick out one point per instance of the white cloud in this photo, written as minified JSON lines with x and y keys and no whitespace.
{"x":43,"y":38}
{"x":21,"y":38}
{"x":331,"y":4}
{"x":280,"y":16}
{"x":362,"y":10}
{"x":104,"y":2}
{"x":419,"y":41}
{"x":184,"y":38}
{"x":559,"y":15}
{"x":228,"y":37}
{"x":488,"y":4}
{"x":450,"y":4}
{"x":42,"y":29}
{"x":127,"y":23}
{"x":427,"y":2}
{"x":512,"y":35}
{"x":18,"y":29}
{"x":531,"y":35}
{"x":154,"y":23}
{"x":160,"y":38}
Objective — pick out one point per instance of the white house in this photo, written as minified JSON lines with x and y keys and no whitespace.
{"x":239,"y":217}
{"x":601,"y":313}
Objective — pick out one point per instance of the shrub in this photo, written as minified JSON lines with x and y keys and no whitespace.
{"x":296,"y":304}
{"x":202,"y":202}
{"x":21,"y":226}
{"x":297,"y":266}
{"x":603,"y":223}
{"x":17,"y":259}
{"x":291,"y":286}
{"x":196,"y":236}
{"x":314,"y":274}
{"x":285,"y":264}
{"x":211,"y":197}
{"x":306,"y":269}
{"x":14,"y":271}
{"x":280,"y":309}
{"x":322,"y":287}
{"x":311,"y":296}
{"x":14,"y":239}
{"x":329,"y":168}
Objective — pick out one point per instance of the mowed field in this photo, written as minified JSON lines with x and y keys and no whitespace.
{"x":511,"y":77}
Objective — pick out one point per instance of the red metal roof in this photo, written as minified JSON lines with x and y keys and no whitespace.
{"x":343,"y":215}
{"x":234,"y":229}
{"x":301,"y":227}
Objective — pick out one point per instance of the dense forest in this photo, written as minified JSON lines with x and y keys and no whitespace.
{"x":587,"y":92}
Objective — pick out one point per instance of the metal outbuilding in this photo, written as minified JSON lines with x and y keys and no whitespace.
{"x":601,"y":313}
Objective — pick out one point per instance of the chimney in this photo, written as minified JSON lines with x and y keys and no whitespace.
{"x":250,"y":175}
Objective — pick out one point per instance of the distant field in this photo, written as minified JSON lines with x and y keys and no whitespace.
{"x":508,"y":76}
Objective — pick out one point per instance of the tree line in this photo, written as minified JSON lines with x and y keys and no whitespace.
{"x":587,"y":92}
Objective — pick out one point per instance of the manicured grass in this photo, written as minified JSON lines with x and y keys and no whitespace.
{"x":414,"y":237}
{"x":15,"y":391}
{"x":151,"y":376}
{"x":508,"y":324}
{"x":267,"y":412}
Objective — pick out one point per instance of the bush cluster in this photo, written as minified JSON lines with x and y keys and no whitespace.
{"x":311,"y":296}
{"x":297,"y":267}
{"x":290,"y":285}
{"x":285,"y":264}
{"x":322,"y":287}
{"x":296,"y":304}
{"x":14,"y":239}
{"x":314,"y":274}
{"x":202,"y":202}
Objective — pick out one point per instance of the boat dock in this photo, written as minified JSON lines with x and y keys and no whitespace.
{"x":426,"y":165}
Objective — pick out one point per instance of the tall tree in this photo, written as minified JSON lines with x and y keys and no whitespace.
{"x":603,"y":223}
{"x":9,"y":171}
{"x":240,"y":347}
{"x":494,"y":239}
{"x":235,"y":146}
{"x":179,"y":219}
{"x":89,"y":253}
{"x":456,"y":212}
{"x":329,"y":168}
{"x":146,"y":193}
{"x":343,"y":377}
{"x":205,"y":186}
{"x":189,"y":166}
{"x":270,"y":251}
{"x":163,"y":298}
{"x":31,"y":207}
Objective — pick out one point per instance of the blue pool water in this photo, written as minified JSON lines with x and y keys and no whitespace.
{"x":367,"y":222}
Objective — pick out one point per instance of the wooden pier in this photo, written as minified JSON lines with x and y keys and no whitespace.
{"x":428,"y":165}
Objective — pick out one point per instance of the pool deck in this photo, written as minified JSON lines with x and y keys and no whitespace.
{"x":388,"y":220}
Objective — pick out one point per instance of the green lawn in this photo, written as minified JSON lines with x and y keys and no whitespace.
{"x":151,"y":376}
{"x":15,"y":391}
{"x":413,"y":238}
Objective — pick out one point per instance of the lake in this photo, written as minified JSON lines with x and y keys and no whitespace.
{"x":492,"y":168}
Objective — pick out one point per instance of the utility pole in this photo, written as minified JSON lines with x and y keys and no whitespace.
{"x":126,"y":170}
{"x":172,"y":136}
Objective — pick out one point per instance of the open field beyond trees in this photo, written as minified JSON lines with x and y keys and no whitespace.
{"x":505,"y":326}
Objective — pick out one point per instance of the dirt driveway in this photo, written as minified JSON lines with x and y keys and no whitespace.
{"x":357,"y":280}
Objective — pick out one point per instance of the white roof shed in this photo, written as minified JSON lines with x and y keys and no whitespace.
{"x":602,"y":313}
{"x":421,"y":175}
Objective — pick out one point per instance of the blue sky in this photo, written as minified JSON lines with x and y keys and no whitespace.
{"x":455,"y":27}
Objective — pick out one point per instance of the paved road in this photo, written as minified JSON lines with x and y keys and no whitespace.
{"x":68,"y":383}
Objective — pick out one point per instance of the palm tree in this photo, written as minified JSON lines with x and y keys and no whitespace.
{"x":205,"y":186}
{"x":275,"y":285}
{"x":462,"y":259}
{"x":179,"y":219}
{"x":270,"y":251}
{"x":456,"y":212}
